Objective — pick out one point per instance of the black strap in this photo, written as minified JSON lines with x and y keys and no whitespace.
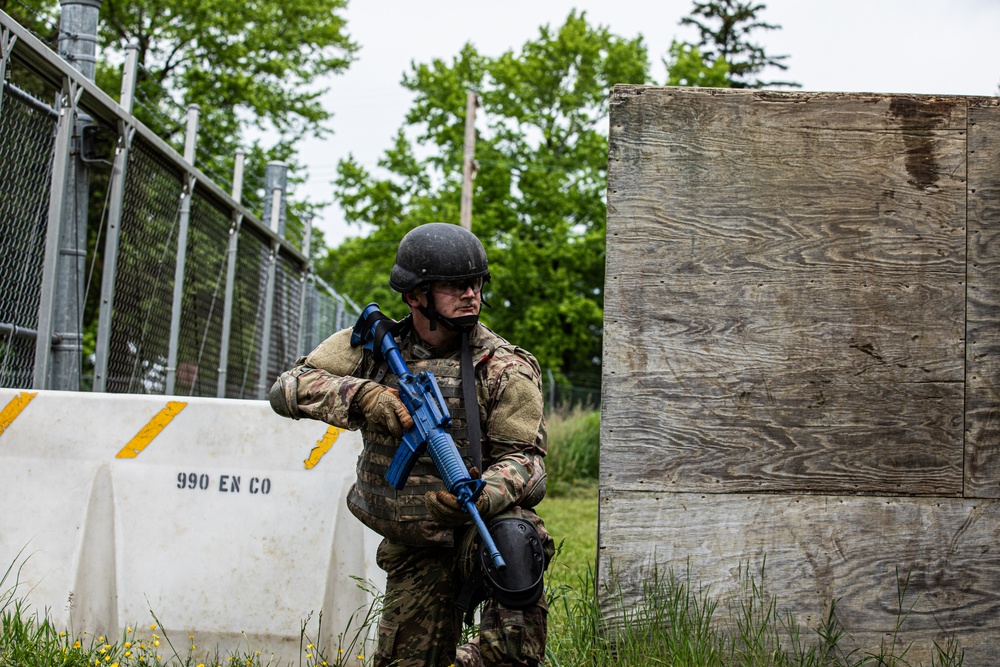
{"x":471,"y":403}
{"x":473,"y":594}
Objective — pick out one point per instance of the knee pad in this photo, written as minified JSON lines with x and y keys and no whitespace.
{"x":519,"y":585}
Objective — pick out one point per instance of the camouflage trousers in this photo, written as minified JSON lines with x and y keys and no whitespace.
{"x":421,"y":626}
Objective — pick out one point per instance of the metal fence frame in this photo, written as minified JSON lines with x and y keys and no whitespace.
{"x":229,"y":339}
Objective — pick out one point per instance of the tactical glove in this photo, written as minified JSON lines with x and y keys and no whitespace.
{"x":382,"y":409}
{"x":445,"y":508}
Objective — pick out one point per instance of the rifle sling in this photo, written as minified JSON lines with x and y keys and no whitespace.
{"x":471,"y":403}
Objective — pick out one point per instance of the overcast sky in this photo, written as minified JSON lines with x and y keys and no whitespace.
{"x":938,"y":47}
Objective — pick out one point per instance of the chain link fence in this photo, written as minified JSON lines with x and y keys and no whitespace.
{"x":183,"y":290}
{"x":27,"y":130}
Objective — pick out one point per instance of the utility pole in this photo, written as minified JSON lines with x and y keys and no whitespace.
{"x":468,"y":161}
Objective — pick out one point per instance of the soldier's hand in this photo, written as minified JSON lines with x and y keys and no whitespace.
{"x":445,"y":508}
{"x":382,"y":409}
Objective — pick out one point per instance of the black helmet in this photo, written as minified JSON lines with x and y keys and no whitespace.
{"x":437,"y":251}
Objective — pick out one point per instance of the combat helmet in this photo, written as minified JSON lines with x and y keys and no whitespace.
{"x":438,"y":251}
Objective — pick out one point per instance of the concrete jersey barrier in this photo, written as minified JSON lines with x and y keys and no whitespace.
{"x":224,"y":520}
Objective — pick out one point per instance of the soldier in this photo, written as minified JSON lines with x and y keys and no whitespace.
{"x":435,"y":570}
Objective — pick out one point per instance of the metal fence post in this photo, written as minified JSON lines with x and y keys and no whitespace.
{"x":6,"y":48}
{"x":234,"y":242}
{"x":78,"y":34}
{"x":78,"y":46}
{"x":57,"y":192}
{"x":304,"y":317}
{"x":190,"y":140}
{"x":275,"y":182}
{"x":116,"y":198}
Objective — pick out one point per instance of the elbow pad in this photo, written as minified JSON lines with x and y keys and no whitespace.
{"x":283,"y":394}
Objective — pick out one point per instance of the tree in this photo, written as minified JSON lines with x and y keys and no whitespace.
{"x":539,"y":194}
{"x":246,"y":65}
{"x":686,"y":66}
{"x":725,"y":26}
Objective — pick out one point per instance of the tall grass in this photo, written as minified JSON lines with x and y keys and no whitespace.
{"x":574,"y":451}
{"x":675,"y":622}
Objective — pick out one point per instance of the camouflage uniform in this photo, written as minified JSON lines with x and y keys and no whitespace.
{"x":426,"y":562}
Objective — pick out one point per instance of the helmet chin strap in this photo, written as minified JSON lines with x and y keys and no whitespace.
{"x":457,"y":324}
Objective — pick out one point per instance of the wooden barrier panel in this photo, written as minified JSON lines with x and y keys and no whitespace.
{"x":786,"y":314}
{"x":982,"y":421}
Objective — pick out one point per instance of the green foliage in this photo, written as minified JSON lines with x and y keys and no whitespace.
{"x":686,"y":66}
{"x":246,"y":65}
{"x":539,"y":193}
{"x":725,"y":27}
{"x":256,"y":62}
{"x":574,"y":441}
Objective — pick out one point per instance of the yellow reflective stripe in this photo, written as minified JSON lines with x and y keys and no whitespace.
{"x":322,"y":447}
{"x":13,"y":409}
{"x":151,"y":430}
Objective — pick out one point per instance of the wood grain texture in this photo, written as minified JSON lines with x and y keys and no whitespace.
{"x":982,"y":398}
{"x":785,"y":293}
{"x":815,"y":549}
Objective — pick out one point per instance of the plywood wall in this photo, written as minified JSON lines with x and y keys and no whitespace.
{"x":802,"y":348}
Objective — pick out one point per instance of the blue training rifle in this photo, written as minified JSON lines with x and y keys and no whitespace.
{"x":423,"y":400}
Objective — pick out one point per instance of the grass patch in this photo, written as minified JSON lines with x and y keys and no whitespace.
{"x":28,"y":639}
{"x":572,"y":522}
{"x":574,"y":442}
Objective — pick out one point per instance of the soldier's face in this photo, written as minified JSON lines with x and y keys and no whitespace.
{"x":458,"y":299}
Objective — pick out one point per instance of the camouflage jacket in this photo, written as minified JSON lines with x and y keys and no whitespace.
{"x":508,"y":389}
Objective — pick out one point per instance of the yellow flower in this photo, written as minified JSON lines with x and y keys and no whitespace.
{"x":153,"y":626}
{"x":128,"y":644}
{"x":62,"y":634}
{"x":361,"y":656}
{"x":311,"y":646}
{"x":77,"y":644}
